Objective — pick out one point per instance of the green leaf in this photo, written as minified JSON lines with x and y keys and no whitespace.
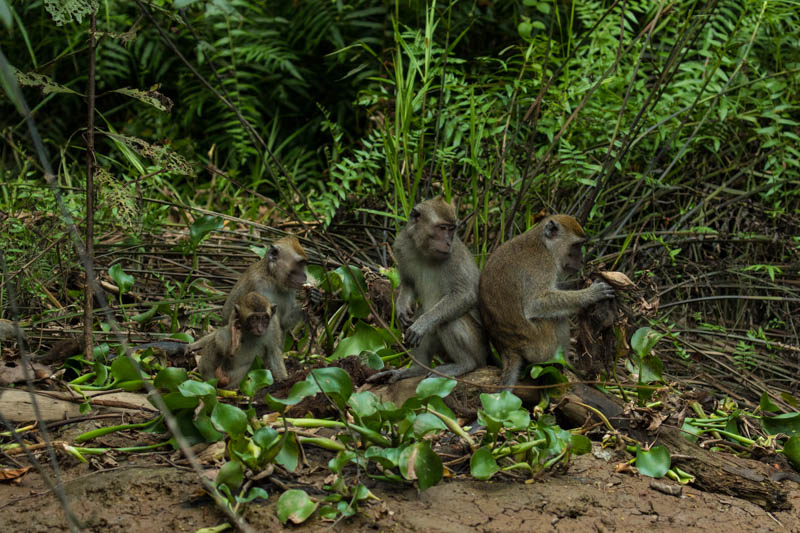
{"x":255,"y":381}
{"x":254,"y":493}
{"x":289,"y":454}
{"x":231,"y":474}
{"x":364,"y":403}
{"x":419,"y":462}
{"x":203,"y":226}
{"x":500,"y":405}
{"x":296,"y":506}
{"x":653,"y":463}
{"x":5,"y":14}
{"x":169,"y":378}
{"x":766,"y":404}
{"x":524,"y":29}
{"x":196,"y":388}
{"x":364,"y":338}
{"x":580,"y":444}
{"x":483,"y":465}
{"x":175,"y":401}
{"x":229,"y":418}
{"x":791,"y":449}
{"x":124,"y":281}
{"x":386,"y":457}
{"x":245,"y":450}
{"x":298,"y":392}
{"x":123,"y":369}
{"x":435,"y":386}
{"x":392,"y":274}
{"x":643,"y":340}
{"x":788,"y":423}
{"x":426,"y":423}
{"x":335,"y":382}
{"x":353,"y":279}
{"x":651,"y":369}
{"x":371,"y":360}
{"x":180,"y":4}
{"x":203,"y":424}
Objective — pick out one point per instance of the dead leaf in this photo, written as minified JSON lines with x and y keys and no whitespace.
{"x":618,"y":280}
{"x":11,"y":474}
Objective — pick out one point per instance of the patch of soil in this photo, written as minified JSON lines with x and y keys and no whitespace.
{"x":146,"y":495}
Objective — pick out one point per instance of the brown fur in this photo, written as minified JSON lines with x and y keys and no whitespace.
{"x":524,"y":311}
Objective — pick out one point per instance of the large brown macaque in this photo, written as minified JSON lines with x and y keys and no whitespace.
{"x":228,"y":352}
{"x":438,"y":272}
{"x":278,"y":277}
{"x":524,"y":310}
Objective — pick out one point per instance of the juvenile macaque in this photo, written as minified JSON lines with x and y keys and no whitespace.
{"x":524,"y":310}
{"x":228,"y":352}
{"x":437,"y":271}
{"x":278,"y":277}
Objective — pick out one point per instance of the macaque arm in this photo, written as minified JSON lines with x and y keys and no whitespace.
{"x":450,"y":307}
{"x":559,"y":304}
{"x":406,"y":297}
{"x":272,"y":352}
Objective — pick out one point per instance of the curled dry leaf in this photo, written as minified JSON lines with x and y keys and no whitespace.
{"x":13,"y":474}
{"x":618,"y":280}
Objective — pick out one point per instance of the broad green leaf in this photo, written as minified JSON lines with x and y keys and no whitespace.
{"x":252,"y":494}
{"x":426,"y":423}
{"x":295,"y":505}
{"x":766,"y":404}
{"x":196,"y":388}
{"x":335,"y":382}
{"x":689,"y":431}
{"x":791,"y":449}
{"x":524,"y":30}
{"x":229,"y":418}
{"x":175,"y":401}
{"x":364,"y":403}
{"x":289,"y":454}
{"x":169,"y":378}
{"x":788,"y":423}
{"x":101,"y":372}
{"x":298,"y":392}
{"x":255,"y":381}
{"x":231,"y":474}
{"x":483,"y":465}
{"x":392,"y":274}
{"x":644,"y":339}
{"x":123,"y":281}
{"x":203,"y":226}
{"x":386,"y":457}
{"x":652,"y":367}
{"x":266,"y":437}
{"x":203,"y":424}
{"x":123,"y":369}
{"x":364,"y":338}
{"x":435,"y":386}
{"x":653,"y":463}
{"x":341,"y":459}
{"x":500,"y":405}
{"x":419,"y":462}
{"x":245,"y":450}
{"x":580,"y":444}
{"x":353,"y":289}
{"x":371,"y":359}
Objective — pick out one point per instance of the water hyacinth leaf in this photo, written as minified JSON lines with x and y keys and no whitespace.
{"x":654,"y":462}
{"x":231,"y":474}
{"x":203,"y":226}
{"x":652,"y":367}
{"x":169,"y":378}
{"x":644,"y":339}
{"x":203,"y":424}
{"x":766,"y":404}
{"x":253,"y":493}
{"x":196,"y":388}
{"x":298,"y":392}
{"x":266,"y":437}
{"x":255,"y":381}
{"x":500,"y":404}
{"x":341,"y":460}
{"x":788,"y":423}
{"x":437,"y":404}
{"x":295,"y":506}
{"x":419,"y":462}
{"x":175,"y":401}
{"x":121,"y":279}
{"x":123,"y":369}
{"x":791,"y":449}
{"x":289,"y":454}
{"x":386,"y":457}
{"x":483,"y":465}
{"x":392,"y":274}
{"x":353,"y":289}
{"x":335,"y":382}
{"x":229,"y":418}
{"x":100,"y":372}
{"x":371,"y":360}
{"x":364,"y":338}
{"x":426,"y":423}
{"x":580,"y":444}
{"x":435,"y":386}
{"x":517,"y":420}
{"x":245,"y":450}
{"x":689,"y":431}
{"x":364,"y":403}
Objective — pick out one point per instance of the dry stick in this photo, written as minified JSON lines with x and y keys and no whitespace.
{"x":90,"y":157}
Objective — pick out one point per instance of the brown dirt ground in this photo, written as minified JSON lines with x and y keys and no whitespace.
{"x":144,"y":493}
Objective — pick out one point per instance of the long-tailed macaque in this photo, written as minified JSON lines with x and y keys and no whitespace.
{"x":228,"y":352}
{"x":524,"y":311}
{"x":278,"y":277}
{"x":438,"y":271}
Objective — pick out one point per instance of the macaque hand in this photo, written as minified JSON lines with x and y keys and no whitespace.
{"x":417,"y":331}
{"x":313,"y":294}
{"x":602,"y":290}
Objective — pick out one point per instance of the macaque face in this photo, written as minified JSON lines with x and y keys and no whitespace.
{"x":433,"y":227}
{"x":257,"y":323}
{"x":573,"y":262}
{"x":288,"y":260}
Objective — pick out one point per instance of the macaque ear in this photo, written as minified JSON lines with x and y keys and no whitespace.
{"x":550,"y":229}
